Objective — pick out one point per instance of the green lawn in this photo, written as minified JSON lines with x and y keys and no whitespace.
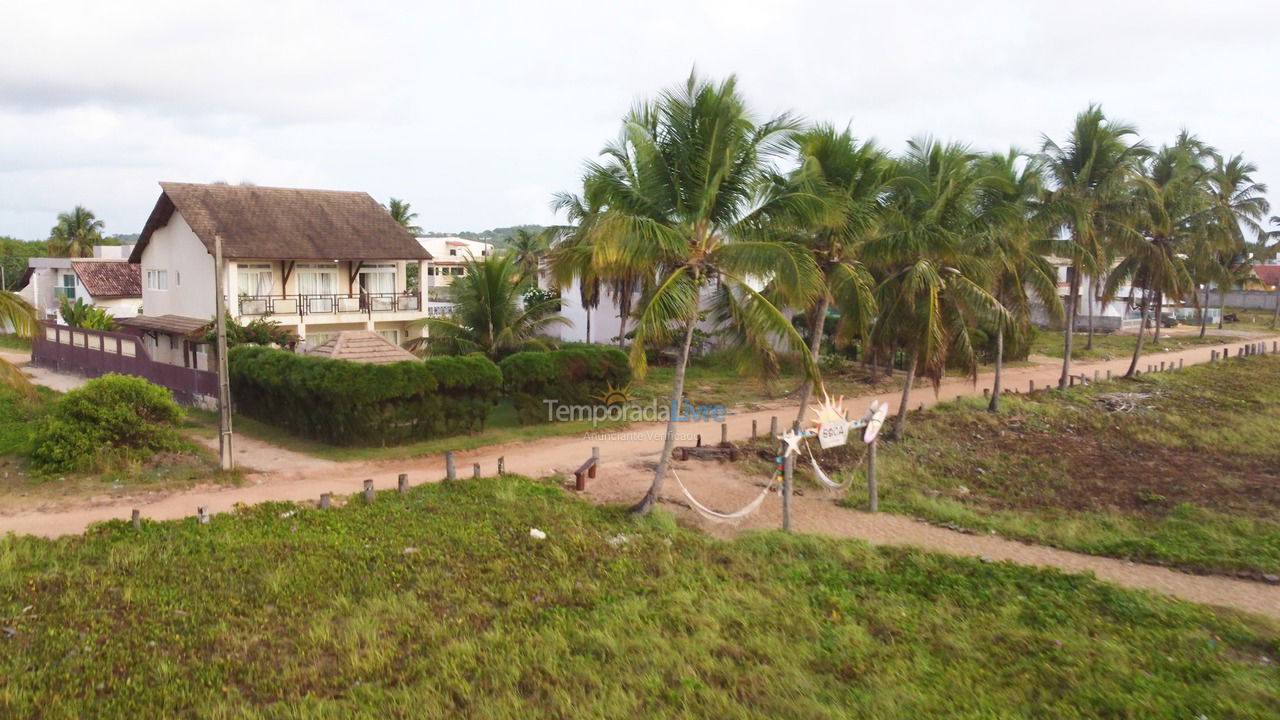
{"x":1189,"y":475}
{"x":439,"y":604}
{"x":9,"y":341}
{"x":1110,"y":347}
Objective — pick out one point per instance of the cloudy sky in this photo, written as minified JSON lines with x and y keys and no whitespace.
{"x":477,"y":112}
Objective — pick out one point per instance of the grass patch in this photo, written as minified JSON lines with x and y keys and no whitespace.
{"x":438,"y":604}
{"x":1187,"y":477}
{"x":1110,"y":347}
{"x":9,"y":341}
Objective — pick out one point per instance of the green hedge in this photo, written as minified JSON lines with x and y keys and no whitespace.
{"x":346,"y":403}
{"x":573,"y":376}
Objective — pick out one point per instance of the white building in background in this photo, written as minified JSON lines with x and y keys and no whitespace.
{"x":1118,"y":314}
{"x":107,"y":280}
{"x":449,"y":257}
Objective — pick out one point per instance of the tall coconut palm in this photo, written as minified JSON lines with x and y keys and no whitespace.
{"x":934,"y":285}
{"x":75,"y":234}
{"x":1016,"y":242}
{"x":490,"y":317}
{"x":528,"y":250}
{"x":1167,"y":212}
{"x":1237,"y":209}
{"x":678,"y":193}
{"x":401,"y":213}
{"x":1088,"y":174}
{"x":840,"y":189}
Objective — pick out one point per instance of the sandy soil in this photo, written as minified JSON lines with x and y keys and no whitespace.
{"x":627,"y":458}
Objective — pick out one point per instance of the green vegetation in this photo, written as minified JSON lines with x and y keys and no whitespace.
{"x":346,"y":403}
{"x":259,"y":331}
{"x":573,"y":376}
{"x":75,"y":234}
{"x":110,"y":422}
{"x":438,"y":604}
{"x":80,"y":315}
{"x":9,"y":341}
{"x":1110,"y":347}
{"x":1173,"y":468}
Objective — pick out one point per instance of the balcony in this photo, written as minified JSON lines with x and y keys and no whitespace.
{"x":329,"y":305}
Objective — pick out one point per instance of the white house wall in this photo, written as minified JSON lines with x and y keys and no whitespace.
{"x":176,"y":249}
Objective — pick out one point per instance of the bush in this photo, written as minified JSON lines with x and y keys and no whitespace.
{"x":110,"y":417}
{"x":346,"y":403}
{"x":575,"y":376}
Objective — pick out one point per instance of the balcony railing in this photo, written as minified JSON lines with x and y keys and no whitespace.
{"x":367,"y":303}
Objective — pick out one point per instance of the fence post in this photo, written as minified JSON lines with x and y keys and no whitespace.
{"x":502,"y":465}
{"x":449,"y":472}
{"x":724,"y":434}
{"x":475,"y":470}
{"x":202,"y":514}
{"x":1180,"y":363}
{"x":773,"y":426}
{"x":368,"y":490}
{"x":1031,"y":386}
{"x":136,"y":519}
{"x":402,"y":483}
{"x":753,"y":429}
{"x":986,"y":393}
{"x":873,"y":494}
{"x":1108,"y":374}
{"x":1095,"y":376}
{"x":595,"y":456}
{"x":324,"y":500}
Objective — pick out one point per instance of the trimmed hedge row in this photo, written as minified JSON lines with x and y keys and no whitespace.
{"x":573,"y":376}
{"x":346,"y":403}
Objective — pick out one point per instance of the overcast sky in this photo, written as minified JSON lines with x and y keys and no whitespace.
{"x":476,"y":112}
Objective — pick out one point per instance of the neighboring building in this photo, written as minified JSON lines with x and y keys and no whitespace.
{"x":1115,"y":315}
{"x":449,"y":257}
{"x":106,"y":280}
{"x":317,"y":261}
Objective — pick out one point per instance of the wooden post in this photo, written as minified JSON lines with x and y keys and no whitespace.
{"x":1161,"y":366}
{"x":136,"y":519}
{"x":1031,"y":386}
{"x":1180,"y":363}
{"x":475,"y":470}
{"x":324,"y":500}
{"x":225,"y":457}
{"x":1108,"y":374}
{"x":698,"y":442}
{"x":754,"y":434}
{"x":1073,"y":381}
{"x":449,"y":472}
{"x":986,"y":393}
{"x":502,"y":465}
{"x":595,"y":462}
{"x":202,"y":514}
{"x":724,"y":434}
{"x":773,"y":426}
{"x":368,"y":490}
{"x":873,"y":493}
{"x":402,"y":483}
{"x":788,"y":468}
{"x":1096,"y":376}
{"x":1213,"y":356}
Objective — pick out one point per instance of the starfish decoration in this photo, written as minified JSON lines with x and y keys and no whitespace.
{"x":792,"y":439}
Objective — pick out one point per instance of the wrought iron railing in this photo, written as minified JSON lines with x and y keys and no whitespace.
{"x":329,"y":304}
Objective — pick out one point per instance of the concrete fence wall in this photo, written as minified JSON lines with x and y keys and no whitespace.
{"x":1247,"y":299}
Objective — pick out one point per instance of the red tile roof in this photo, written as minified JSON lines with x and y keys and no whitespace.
{"x":109,"y":278}
{"x":1268,"y":274}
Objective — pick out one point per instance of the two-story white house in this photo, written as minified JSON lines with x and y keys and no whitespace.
{"x":316,"y":261}
{"x":105,"y":280}
{"x":449,"y":257}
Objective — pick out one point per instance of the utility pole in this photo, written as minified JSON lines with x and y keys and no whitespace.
{"x":224,"y":384}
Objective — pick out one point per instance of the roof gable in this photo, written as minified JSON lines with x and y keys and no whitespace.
{"x":283,"y":223}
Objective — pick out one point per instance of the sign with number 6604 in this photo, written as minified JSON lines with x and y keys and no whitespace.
{"x":833,"y":434}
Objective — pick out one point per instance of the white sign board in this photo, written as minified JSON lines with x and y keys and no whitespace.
{"x":833,"y":434}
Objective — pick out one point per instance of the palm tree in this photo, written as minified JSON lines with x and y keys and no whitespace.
{"x":490,"y":317}
{"x":677,"y":193}
{"x":1088,"y":173}
{"x":16,"y":313}
{"x":840,"y":189}
{"x":527,"y":250}
{"x":934,"y":281}
{"x":400,"y":212}
{"x":75,"y":234}
{"x":1016,"y":244}
{"x":1168,"y":212}
{"x":1237,"y":209}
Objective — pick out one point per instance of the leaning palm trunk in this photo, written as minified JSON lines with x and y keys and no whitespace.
{"x":900,"y":422}
{"x":1072,"y":302}
{"x":1204,"y":311}
{"x":1142,"y":333}
{"x":1089,"y":345}
{"x":1275,"y":313}
{"x":1159,"y":319}
{"x":677,"y":397}
{"x":815,"y":351}
{"x":994,"y":405}
{"x":1222,"y":306}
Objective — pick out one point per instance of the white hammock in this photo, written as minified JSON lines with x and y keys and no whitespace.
{"x":714,"y":516}
{"x":822,"y":477}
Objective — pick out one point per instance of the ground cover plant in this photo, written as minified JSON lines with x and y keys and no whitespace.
{"x":1174,"y":468}
{"x":1111,"y":347}
{"x":438,"y":603}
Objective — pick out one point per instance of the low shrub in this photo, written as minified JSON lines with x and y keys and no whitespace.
{"x":346,"y":403}
{"x":573,"y":376}
{"x":111,"y":418}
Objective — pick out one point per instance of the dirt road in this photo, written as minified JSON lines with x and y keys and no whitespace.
{"x":627,"y":458}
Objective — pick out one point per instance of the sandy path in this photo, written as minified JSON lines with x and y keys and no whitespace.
{"x":625,"y":453}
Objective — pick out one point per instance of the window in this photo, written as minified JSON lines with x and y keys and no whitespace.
{"x":157,"y":279}
{"x":378,"y":278}
{"x":67,"y":288}
{"x":254,"y":279}
{"x":319,"y":281}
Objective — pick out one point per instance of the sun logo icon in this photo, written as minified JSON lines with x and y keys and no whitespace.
{"x":613,"y":395}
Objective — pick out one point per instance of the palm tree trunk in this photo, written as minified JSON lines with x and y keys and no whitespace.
{"x":1204,"y":311}
{"x":1275,"y":314}
{"x":677,"y":396}
{"x":994,"y":405}
{"x":1142,"y":333}
{"x":1155,"y":337}
{"x":1222,"y":306}
{"x":900,"y":422}
{"x":624,"y":312}
{"x":816,"y":331}
{"x":1089,"y":345}
{"x":1072,"y":302}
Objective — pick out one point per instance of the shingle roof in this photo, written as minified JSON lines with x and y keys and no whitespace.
{"x":283,"y":223}
{"x":170,"y":324}
{"x":361,"y":346}
{"x":109,"y":278}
